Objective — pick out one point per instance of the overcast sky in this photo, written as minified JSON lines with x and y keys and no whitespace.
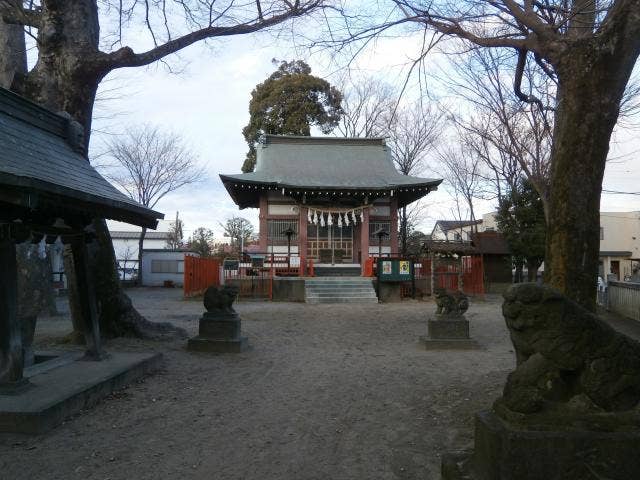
{"x":207,"y":103}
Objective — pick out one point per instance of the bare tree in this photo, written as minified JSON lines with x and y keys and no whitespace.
{"x":463,"y":173}
{"x":590,"y":49}
{"x":413,"y":133}
{"x":239,"y":229}
{"x":74,"y":54}
{"x":175,"y":237}
{"x":510,"y":137}
{"x":367,"y":106}
{"x":148,"y":163}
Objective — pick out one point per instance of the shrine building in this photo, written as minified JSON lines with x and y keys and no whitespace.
{"x":325,"y":198}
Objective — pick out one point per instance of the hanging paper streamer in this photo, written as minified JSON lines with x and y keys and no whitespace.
{"x":361,"y":216}
{"x":346,"y":219}
{"x":315,"y":217}
{"x":339,"y":220}
{"x":322,"y":219}
{"x":329,"y":219}
{"x":309,"y":215}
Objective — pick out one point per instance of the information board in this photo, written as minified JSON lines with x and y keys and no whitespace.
{"x":394,"y":270}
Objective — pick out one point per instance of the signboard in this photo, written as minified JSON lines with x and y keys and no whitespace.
{"x":257,"y":262}
{"x":294,"y":262}
{"x":394,"y":270}
{"x":230,"y":264}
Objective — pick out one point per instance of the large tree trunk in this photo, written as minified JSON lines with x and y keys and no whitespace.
{"x":14,"y":54}
{"x":65,"y":79}
{"x":591,"y":85}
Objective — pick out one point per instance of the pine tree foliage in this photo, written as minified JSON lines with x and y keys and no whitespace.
{"x":290,"y":102}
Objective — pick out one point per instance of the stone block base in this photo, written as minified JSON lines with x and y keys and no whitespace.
{"x":450,"y":344}
{"x":448,"y":332}
{"x":508,"y":452}
{"x":66,"y":385}
{"x":448,"y":328}
{"x":203,"y":344}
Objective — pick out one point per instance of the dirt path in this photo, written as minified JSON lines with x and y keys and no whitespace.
{"x":326,"y":392}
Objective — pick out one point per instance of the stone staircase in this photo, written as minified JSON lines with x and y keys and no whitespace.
{"x":340,"y":290}
{"x":337,"y":271}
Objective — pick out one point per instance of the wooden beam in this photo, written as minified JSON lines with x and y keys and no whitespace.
{"x":11,"y":362}
{"x":87,"y":300}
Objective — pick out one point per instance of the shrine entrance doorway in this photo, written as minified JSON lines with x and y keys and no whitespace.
{"x":331,"y":244}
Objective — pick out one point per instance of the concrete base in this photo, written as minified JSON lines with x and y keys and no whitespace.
{"x":203,"y":344}
{"x":447,"y":332}
{"x":450,"y":344}
{"x":68,"y":384}
{"x":219,"y":332}
{"x":505,"y":452}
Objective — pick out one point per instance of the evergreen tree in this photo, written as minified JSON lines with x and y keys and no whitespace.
{"x":521,"y":220}
{"x":201,"y":242}
{"x":289,"y":102}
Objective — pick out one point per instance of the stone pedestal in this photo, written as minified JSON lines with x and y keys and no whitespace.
{"x":505,"y":451}
{"x":448,"y":331}
{"x":219,"y":332}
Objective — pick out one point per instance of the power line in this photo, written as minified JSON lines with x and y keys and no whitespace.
{"x":617,"y":192}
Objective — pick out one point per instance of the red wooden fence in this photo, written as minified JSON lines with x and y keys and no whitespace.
{"x":199,"y":274}
{"x":447,"y":275}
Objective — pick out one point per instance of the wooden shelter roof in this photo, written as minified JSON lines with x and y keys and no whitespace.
{"x":43,"y":168}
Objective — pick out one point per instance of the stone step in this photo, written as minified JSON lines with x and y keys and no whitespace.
{"x":340,"y":294}
{"x":340,"y":290}
{"x":337,"y":271}
{"x":343,"y":300}
{"x":337,"y":291}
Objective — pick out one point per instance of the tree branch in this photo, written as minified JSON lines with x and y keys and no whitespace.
{"x":13,"y":13}
{"x":126,"y":57}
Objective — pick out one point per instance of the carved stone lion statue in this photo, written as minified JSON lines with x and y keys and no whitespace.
{"x":451,"y":303}
{"x":568,"y":360}
{"x":220,"y":300}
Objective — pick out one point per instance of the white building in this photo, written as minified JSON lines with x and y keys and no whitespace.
{"x":160,"y":266}
{"x":125,"y":246}
{"x":619,"y":244}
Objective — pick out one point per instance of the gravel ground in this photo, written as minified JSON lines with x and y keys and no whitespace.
{"x":326,"y":392}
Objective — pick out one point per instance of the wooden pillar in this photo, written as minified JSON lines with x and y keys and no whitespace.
{"x":393,"y":229}
{"x":302,"y":240}
{"x":87,"y":300}
{"x":433,"y":273}
{"x":263,"y":233}
{"x":364,"y":239}
{"x":11,"y":361}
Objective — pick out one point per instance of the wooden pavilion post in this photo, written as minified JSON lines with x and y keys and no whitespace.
{"x":11,"y":361}
{"x":87,"y":299}
{"x":364,"y":240}
{"x":302,"y":240}
{"x":263,"y":231}
{"x":393,"y":228}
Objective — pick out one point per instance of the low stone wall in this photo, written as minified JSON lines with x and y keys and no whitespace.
{"x":389,"y":292}
{"x":288,"y":290}
{"x":624,"y":299}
